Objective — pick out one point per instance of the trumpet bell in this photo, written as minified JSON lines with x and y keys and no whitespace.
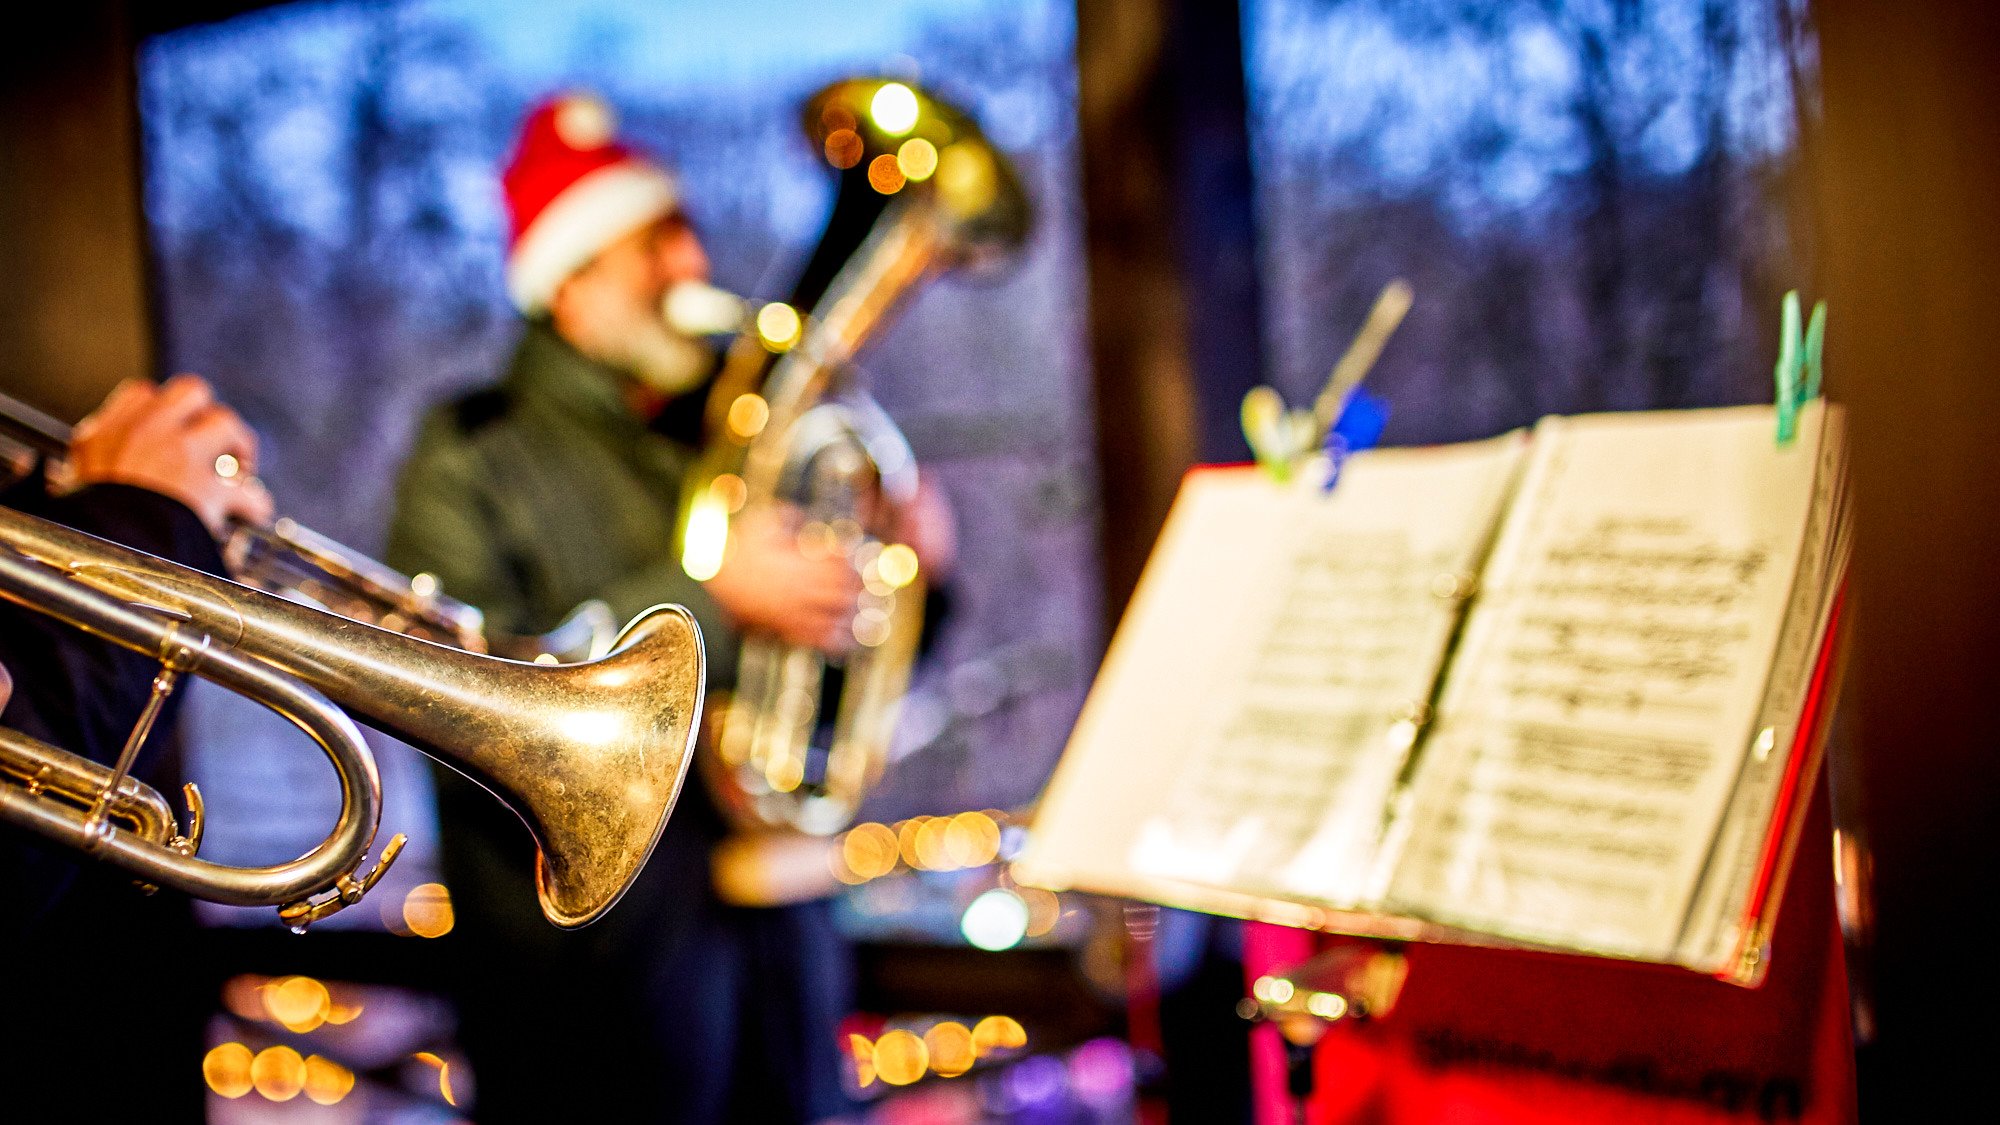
{"x":590,"y":756}
{"x":596,"y":793}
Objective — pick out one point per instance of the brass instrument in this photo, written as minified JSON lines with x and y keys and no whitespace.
{"x":590,"y":756}
{"x":296,"y":562}
{"x":807,"y":435}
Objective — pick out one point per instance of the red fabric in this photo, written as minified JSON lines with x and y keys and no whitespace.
{"x":1497,"y":1036}
{"x":545,"y":165}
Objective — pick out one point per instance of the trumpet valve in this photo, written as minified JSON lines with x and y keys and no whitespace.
{"x":189,"y":842}
{"x":347,"y":891}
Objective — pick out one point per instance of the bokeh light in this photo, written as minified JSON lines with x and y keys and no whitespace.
{"x":998,"y":1033}
{"x":299,"y":1003}
{"x":427,"y":910}
{"x":967,"y":179}
{"x":226,"y":1069}
{"x":326,"y":1081}
{"x":1102,"y":1073}
{"x":996,"y":920}
{"x":973,"y":839}
{"x":932,"y":837}
{"x":900,"y":1057}
{"x":951,"y":1049}
{"x":778,"y":326}
{"x":1327,"y":1005}
{"x":443,"y":1069}
{"x":706,"y":539}
{"x":749,"y":413}
{"x":278,"y":1073}
{"x":894,"y":108}
{"x":886,"y":175}
{"x":898,"y":565}
{"x":871,"y":627}
{"x":1044,"y":910}
{"x":861,"y":1049}
{"x":870,"y":850}
{"x":844,"y":148}
{"x":918,"y":158}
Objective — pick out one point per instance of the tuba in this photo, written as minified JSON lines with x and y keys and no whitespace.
{"x":805,"y":736}
{"x":590,"y":756}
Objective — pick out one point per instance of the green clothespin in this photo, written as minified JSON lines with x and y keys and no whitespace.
{"x":1799,"y":365}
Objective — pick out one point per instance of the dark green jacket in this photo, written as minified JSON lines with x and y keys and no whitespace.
{"x":545,"y":491}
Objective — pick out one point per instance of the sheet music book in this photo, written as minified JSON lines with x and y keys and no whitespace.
{"x":1555,"y":689}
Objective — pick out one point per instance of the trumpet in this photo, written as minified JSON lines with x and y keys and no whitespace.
{"x":590,"y":756}
{"x":789,"y":424}
{"x":290,"y":559}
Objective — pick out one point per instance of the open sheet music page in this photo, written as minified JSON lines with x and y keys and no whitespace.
{"x":1251,"y":717}
{"x":1612,"y":673}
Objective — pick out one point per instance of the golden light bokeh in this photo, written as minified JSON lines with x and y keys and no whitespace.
{"x":243,"y":995}
{"x":226,"y":1069}
{"x":1044,"y":909}
{"x":299,"y":1003}
{"x":730,"y":491}
{"x":967,"y":179}
{"x":786,"y":774}
{"x":885,"y":175}
{"x":327,"y":1081}
{"x":862,"y":1050}
{"x":973,"y":839}
{"x":917,"y":158}
{"x":900,"y":1058}
{"x":898,"y":565}
{"x":951,"y":1049}
{"x":427,"y":910}
{"x":443,"y":1072}
{"x":278,"y":1073}
{"x":778,"y":326}
{"x":998,"y":1033}
{"x":906,"y":840}
{"x":749,"y":414}
{"x":870,"y":850}
{"x":932,"y":854}
{"x":844,"y":148}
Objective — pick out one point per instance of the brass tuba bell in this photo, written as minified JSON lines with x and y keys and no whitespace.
{"x":788,"y":423}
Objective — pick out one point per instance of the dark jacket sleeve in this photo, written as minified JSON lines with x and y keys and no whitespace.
{"x":78,"y":692}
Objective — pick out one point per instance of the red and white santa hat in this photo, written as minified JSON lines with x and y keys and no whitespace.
{"x":571,"y":191}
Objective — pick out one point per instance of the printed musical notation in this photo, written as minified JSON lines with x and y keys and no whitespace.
{"x":1349,"y":645}
{"x":1634,"y":616}
{"x":1302,"y":721}
{"x":1600,"y":708}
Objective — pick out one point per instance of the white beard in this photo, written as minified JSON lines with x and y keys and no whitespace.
{"x":635,"y":339}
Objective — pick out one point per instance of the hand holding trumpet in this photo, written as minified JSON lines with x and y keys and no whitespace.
{"x":174,"y":439}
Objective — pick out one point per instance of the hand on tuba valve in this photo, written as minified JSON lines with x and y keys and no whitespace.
{"x":791,"y":430}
